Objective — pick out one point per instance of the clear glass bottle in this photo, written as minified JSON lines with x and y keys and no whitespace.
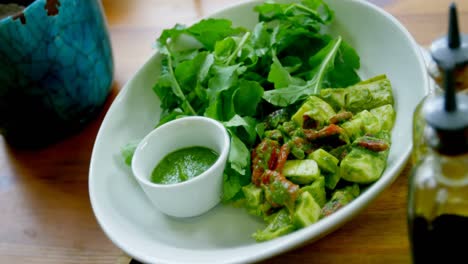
{"x":438,"y":187}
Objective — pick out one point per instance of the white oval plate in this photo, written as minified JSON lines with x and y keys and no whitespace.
{"x":224,"y":234}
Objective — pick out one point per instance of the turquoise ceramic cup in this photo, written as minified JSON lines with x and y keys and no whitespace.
{"x":56,"y":69}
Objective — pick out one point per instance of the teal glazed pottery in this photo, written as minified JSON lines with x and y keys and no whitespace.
{"x":56,"y":69}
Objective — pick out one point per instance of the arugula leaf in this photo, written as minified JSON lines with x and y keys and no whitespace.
{"x":325,"y":59}
{"x":280,"y":76}
{"x":223,"y":77}
{"x":192,"y":76}
{"x":225,"y":48}
{"x":264,"y":39}
{"x":249,"y":133}
{"x":247,"y":56}
{"x":128,"y":150}
{"x":320,"y":8}
{"x":167,"y":35}
{"x":170,"y":81}
{"x":239,"y":155}
{"x":247,"y":97}
{"x":194,"y":70}
{"x":180,"y":56}
{"x":228,"y":108}
{"x":215,"y":108}
{"x":236,"y":121}
{"x":291,"y":63}
{"x":167,"y":115}
{"x":209,"y":31}
{"x":163,"y":87}
{"x":237,"y":172}
{"x":308,"y":9}
{"x":231,"y":186}
{"x":294,"y":21}
{"x":221,"y":89}
{"x":249,"y":125}
{"x":346,"y":63}
{"x":260,"y":129}
{"x":349,"y":55}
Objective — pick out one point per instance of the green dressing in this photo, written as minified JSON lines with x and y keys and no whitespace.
{"x":183,"y":164}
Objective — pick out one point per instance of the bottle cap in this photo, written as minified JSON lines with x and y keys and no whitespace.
{"x":451,"y":50}
{"x":447,"y":116}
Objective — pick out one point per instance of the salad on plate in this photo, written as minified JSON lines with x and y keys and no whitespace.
{"x":307,"y":133}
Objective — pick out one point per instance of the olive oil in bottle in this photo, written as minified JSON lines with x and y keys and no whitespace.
{"x":439,"y":240}
{"x":438,"y":209}
{"x":438,"y":189}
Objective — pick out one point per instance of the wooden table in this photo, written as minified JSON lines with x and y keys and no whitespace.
{"x":46,"y":215}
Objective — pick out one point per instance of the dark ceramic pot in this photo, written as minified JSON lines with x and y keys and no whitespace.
{"x":56,"y":69}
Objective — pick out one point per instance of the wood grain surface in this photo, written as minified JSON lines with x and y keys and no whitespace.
{"x":45,"y":212}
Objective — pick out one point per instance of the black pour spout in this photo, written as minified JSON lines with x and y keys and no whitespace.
{"x":453,"y":31}
{"x":448,"y":115}
{"x":453,"y":43}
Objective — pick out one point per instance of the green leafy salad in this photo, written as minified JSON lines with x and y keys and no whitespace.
{"x":307,"y":134}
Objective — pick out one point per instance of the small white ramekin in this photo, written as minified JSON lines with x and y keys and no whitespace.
{"x":194,"y":196}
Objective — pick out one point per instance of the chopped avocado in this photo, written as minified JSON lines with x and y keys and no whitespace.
{"x":381,"y":90}
{"x":312,"y":164}
{"x":301,"y":171}
{"x":325,"y":161}
{"x":363,"y":165}
{"x":358,"y":99}
{"x":353,"y":128}
{"x":373,"y":79}
{"x":307,"y":211}
{"x":385,"y":136}
{"x":280,"y":191}
{"x":332,"y":179}
{"x":362,"y":123}
{"x":298,"y":153}
{"x":274,"y":134}
{"x":335,"y":97}
{"x":288,"y":128}
{"x":368,"y":94}
{"x":280,"y":224}
{"x":317,"y":190}
{"x":340,"y":198}
{"x":341,"y":151}
{"x":386,"y":115}
{"x":352,"y":190}
{"x":315,"y":111}
{"x":276,"y":118}
{"x":254,"y":199}
{"x":370,"y":122}
{"x":328,"y":165}
{"x":299,"y":145}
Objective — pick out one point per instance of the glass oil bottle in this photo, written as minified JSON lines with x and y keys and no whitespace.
{"x":438,"y":189}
